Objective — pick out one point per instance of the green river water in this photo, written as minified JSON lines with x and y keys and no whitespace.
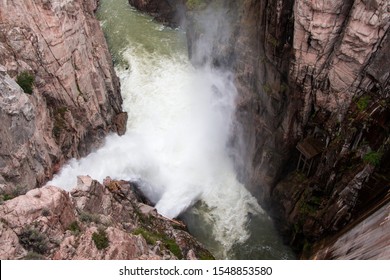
{"x":178,"y":125}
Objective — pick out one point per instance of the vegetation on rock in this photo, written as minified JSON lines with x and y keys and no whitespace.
{"x":74,"y":227}
{"x":32,"y":240}
{"x":152,"y":238}
{"x":363,"y":102}
{"x":100,"y":239}
{"x":205,"y":256}
{"x":89,"y":217}
{"x":26,"y":81}
{"x":8,"y":195}
{"x":373,"y":158}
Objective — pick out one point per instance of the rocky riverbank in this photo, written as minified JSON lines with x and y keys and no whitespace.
{"x":93,"y":221}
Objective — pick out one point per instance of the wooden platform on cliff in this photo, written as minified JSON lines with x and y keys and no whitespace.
{"x":309,"y":148}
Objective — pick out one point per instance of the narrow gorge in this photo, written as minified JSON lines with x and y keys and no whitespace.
{"x":201,"y":129}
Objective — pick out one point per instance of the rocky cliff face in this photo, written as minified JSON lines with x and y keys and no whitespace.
{"x":302,"y":68}
{"x":70,"y":98}
{"x":308,"y":69}
{"x":94,"y":221}
{"x":367,"y":237}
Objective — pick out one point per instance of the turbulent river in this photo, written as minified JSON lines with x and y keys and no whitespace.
{"x":176,"y":141}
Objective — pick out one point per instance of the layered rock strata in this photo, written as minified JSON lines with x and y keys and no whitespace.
{"x":307,"y":69}
{"x":74,"y":100}
{"x":93,"y":221}
{"x":359,"y":236}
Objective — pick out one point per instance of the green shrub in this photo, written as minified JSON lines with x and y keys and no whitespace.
{"x":33,"y":240}
{"x":173,"y":247}
{"x":74,"y":228}
{"x":363,"y":102}
{"x":152,"y":238}
{"x":26,"y":81}
{"x":205,"y":256}
{"x":7,"y":196}
{"x":373,"y":158}
{"x":100,"y":239}
{"x":15,"y":192}
{"x":89,"y":217}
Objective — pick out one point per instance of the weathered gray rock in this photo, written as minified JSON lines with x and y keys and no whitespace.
{"x":47,"y":211}
{"x":17,"y":130}
{"x":75,"y":100}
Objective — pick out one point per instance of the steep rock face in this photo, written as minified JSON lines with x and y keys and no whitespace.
{"x":17,"y":128}
{"x":340,"y":71}
{"x":75,"y":100}
{"x":305,"y":68}
{"x":94,"y":221}
{"x":337,"y":45}
{"x":360,"y":237}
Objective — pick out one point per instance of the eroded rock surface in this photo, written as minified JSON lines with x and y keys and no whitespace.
{"x":360,"y":238}
{"x":76,"y":98}
{"x":94,"y":221}
{"x":303,"y":68}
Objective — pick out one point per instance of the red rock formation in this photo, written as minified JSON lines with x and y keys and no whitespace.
{"x":76,"y":96}
{"x":50,"y":223}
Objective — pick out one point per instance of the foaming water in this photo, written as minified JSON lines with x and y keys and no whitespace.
{"x":179,"y":123}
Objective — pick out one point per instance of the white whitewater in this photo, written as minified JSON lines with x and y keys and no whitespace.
{"x":179,"y":123}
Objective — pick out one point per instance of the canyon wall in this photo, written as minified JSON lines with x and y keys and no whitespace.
{"x":308,"y":70}
{"x":70,"y":96}
{"x":304,"y":70}
{"x":312,"y":75}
